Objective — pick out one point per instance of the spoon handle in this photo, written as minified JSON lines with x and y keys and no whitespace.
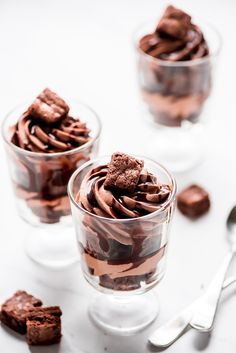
{"x":167,"y":334}
{"x":204,"y":315}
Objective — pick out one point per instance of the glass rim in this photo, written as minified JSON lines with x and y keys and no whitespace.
{"x":122,"y":220}
{"x":180,"y":63}
{"x":54,"y":154}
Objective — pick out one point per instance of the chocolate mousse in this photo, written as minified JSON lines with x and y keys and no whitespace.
{"x":175,"y":83}
{"x":121,"y":247}
{"x":47,"y":130}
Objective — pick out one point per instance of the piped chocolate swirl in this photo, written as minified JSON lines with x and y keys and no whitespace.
{"x":122,"y":189}
{"x":46,"y":126}
{"x":176,"y":38}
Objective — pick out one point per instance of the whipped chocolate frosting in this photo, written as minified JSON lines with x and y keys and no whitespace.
{"x":176,"y":38}
{"x":47,"y":127}
{"x":147,"y":196}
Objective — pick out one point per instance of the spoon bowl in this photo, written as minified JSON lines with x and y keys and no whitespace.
{"x":231,"y":226}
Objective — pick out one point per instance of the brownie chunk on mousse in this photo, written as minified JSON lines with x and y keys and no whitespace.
{"x":15,"y":310}
{"x":193,"y":201}
{"x":49,"y":107}
{"x":174,"y":23}
{"x":123,"y":172}
{"x":44,"y":326}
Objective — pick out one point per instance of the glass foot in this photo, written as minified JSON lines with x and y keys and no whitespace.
{"x":124,"y":315}
{"x":52,"y":246}
{"x":178,"y":149}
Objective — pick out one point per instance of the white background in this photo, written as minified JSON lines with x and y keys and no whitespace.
{"x":84,"y":49}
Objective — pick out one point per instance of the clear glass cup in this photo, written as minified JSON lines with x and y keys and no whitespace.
{"x":40,"y":185}
{"x":175,"y":94}
{"x":123,"y":258}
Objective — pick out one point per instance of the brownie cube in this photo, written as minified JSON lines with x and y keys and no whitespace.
{"x":16,"y":309}
{"x":49,"y":107}
{"x":174,"y":23}
{"x":174,"y":13}
{"x":123,"y":172}
{"x":44,"y":326}
{"x":193,"y":201}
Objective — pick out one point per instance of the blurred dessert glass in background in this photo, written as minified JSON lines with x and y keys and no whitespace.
{"x":176,"y":60}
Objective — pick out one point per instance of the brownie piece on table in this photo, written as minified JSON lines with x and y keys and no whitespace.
{"x":44,"y":326}
{"x":16,"y":309}
{"x":193,"y":201}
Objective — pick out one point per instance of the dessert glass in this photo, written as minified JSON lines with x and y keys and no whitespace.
{"x":40,"y":185}
{"x":123,"y":258}
{"x":175,"y":94}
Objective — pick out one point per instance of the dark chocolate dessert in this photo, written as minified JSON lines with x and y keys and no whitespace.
{"x":174,"y":89}
{"x":193,"y":201}
{"x":44,"y":326}
{"x":47,"y":130}
{"x":15,"y":310}
{"x":123,"y":255}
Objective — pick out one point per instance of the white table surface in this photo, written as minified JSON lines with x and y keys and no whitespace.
{"x":83,"y":49}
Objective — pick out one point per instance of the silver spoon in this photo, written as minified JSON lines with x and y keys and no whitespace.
{"x":200,"y":314}
{"x":168,"y":333}
{"x":204,"y":315}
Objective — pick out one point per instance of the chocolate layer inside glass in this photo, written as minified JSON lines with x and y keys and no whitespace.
{"x":173,"y":92}
{"x":41,"y":178}
{"x":123,"y":255}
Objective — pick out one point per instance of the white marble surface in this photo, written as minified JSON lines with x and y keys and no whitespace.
{"x":83,"y":49}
